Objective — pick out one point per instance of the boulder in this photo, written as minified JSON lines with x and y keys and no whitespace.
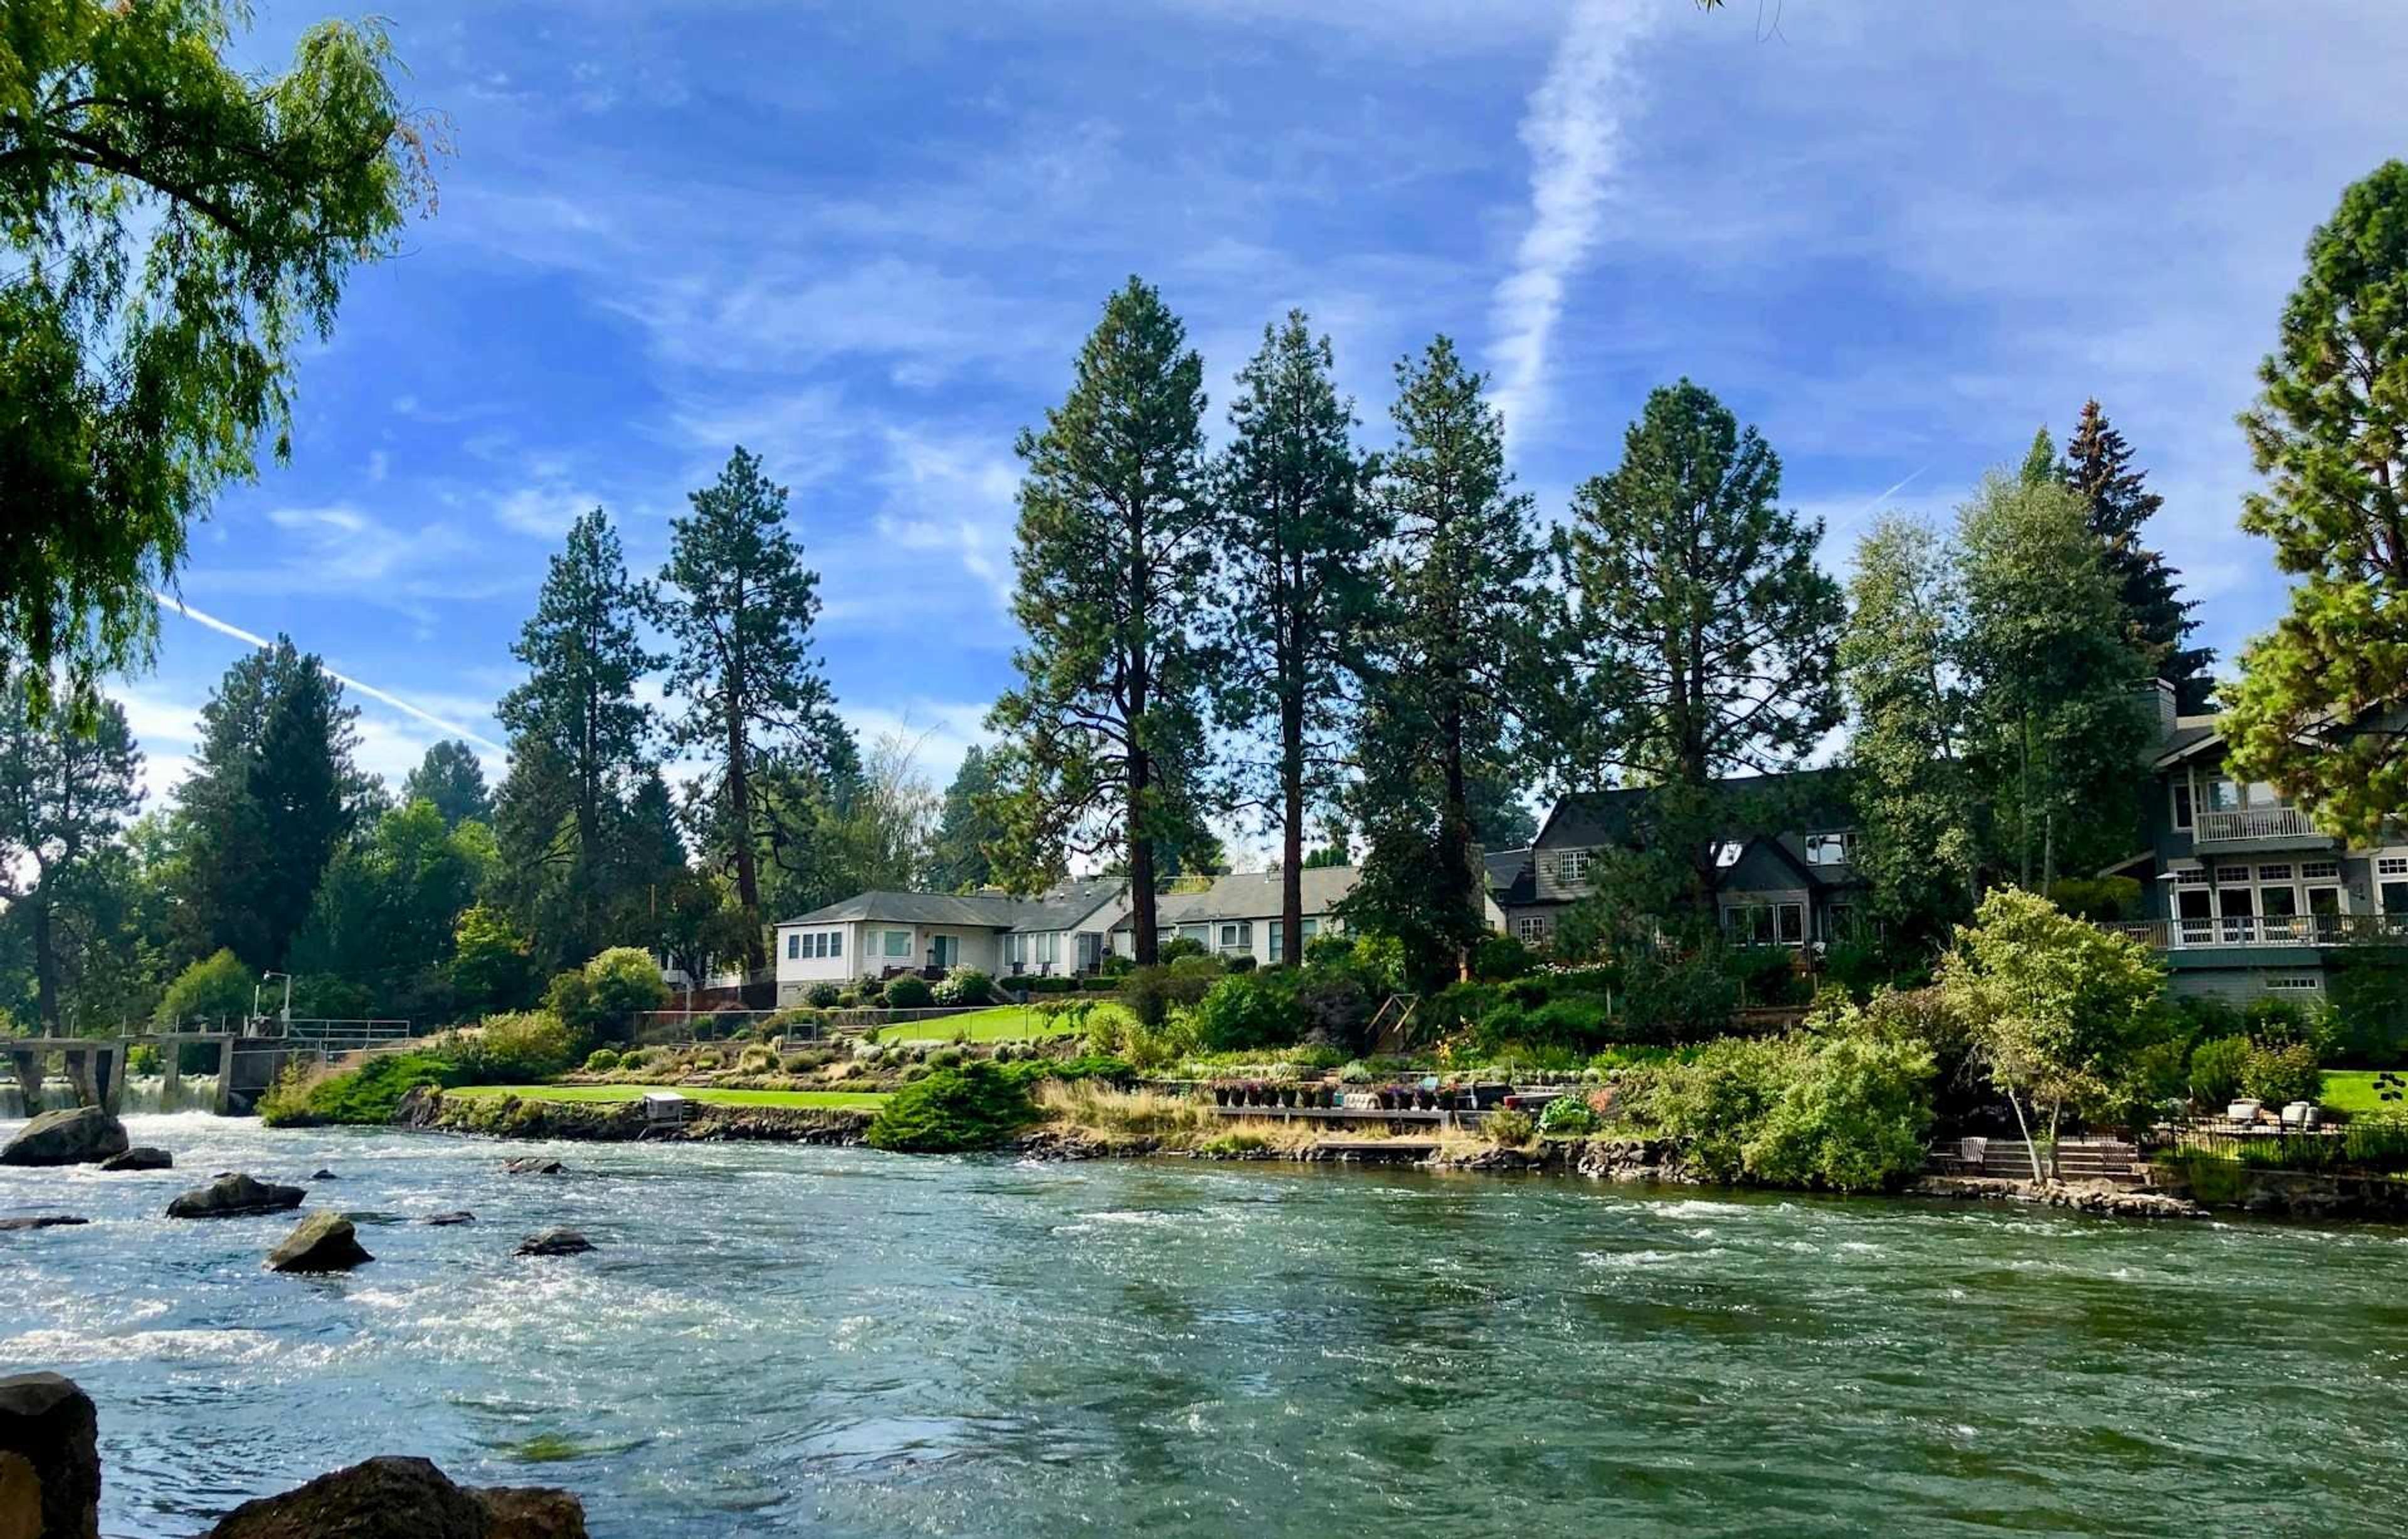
{"x":533,"y":1165}
{"x":555,"y":1243}
{"x":444,"y":1220}
{"x":81,"y":1135}
{"x":324,"y":1242}
{"x":46,"y":1221}
{"x":325,"y":1175}
{"x":234,"y":1197}
{"x":50,"y":1459}
{"x":392,"y":1498}
{"x":142,"y":1156}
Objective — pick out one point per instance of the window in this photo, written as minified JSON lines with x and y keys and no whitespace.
{"x":1726,"y":853}
{"x":2274,"y":873}
{"x":898,"y":942}
{"x":836,"y":942}
{"x":1765,"y":924}
{"x":2320,"y":870}
{"x":2195,"y":877}
{"x":1279,"y":941}
{"x":1238,"y":936}
{"x":1050,"y":943}
{"x":1531,"y":930}
{"x":2391,"y":865}
{"x":1827,"y":849}
{"x":2223,"y":795}
{"x":2296,"y":983}
{"x":2232,"y":873}
{"x":1573,"y":865}
{"x":793,"y":947}
{"x":2181,"y":803}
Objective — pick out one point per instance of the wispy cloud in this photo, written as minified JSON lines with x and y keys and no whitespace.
{"x":1574,"y":131}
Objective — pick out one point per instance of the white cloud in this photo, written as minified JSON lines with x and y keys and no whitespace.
{"x":545,"y":511}
{"x":939,"y":731}
{"x":1574,"y":131}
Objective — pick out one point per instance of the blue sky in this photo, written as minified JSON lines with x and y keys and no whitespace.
{"x":865,"y":241}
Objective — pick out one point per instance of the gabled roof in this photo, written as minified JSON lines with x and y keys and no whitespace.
{"x":2189,"y":737}
{"x":1802,"y":801}
{"x":1064,"y":906}
{"x":1512,"y":875}
{"x":990,"y":910}
{"x":1254,"y":895}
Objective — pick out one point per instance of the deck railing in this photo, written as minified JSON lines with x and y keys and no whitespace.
{"x":2300,"y":930}
{"x":2253,"y":823}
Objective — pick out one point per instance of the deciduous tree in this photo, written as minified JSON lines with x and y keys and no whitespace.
{"x":64,"y":796}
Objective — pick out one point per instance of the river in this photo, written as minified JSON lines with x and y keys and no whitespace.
{"x":780,"y":1340}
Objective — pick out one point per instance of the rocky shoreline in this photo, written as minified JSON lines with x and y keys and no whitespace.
{"x":430,"y":1110}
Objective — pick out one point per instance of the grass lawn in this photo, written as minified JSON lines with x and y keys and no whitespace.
{"x":2352,"y":1090}
{"x":865,"y":1099}
{"x":1000,"y":1023}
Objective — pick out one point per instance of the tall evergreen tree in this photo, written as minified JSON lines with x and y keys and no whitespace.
{"x":1452,"y":661}
{"x":2099,"y":466}
{"x":2318,"y":711}
{"x":272,"y":795}
{"x":2040,"y":461}
{"x":581,"y":745}
{"x":451,"y":777}
{"x":1296,"y":591}
{"x":1706,"y":630}
{"x":965,"y":827}
{"x":1901,"y":657}
{"x":1103,"y":738}
{"x":64,"y":794}
{"x":2060,"y":725}
{"x":739,"y":604}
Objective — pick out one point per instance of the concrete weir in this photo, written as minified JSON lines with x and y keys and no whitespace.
{"x":95,"y":1066}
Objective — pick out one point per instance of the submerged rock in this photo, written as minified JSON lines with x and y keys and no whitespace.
{"x":391,"y":1498}
{"x":83,"y":1135}
{"x":444,"y":1220}
{"x":49,"y":1459}
{"x":324,"y":1242}
{"x":45,"y":1221}
{"x":325,"y":1175}
{"x":234,"y":1197}
{"x":142,"y":1156}
{"x":533,"y":1165}
{"x":555,"y":1243}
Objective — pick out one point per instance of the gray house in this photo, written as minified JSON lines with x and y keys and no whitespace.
{"x":1783,"y":875}
{"x":878,"y":934}
{"x":2239,"y":889}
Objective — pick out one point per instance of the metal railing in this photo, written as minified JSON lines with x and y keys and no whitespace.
{"x":2283,"y":929}
{"x":2253,"y":823}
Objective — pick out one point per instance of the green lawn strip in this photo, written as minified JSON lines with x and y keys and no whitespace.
{"x":998,"y":1023}
{"x":863,"y":1100}
{"x":2352,"y":1090}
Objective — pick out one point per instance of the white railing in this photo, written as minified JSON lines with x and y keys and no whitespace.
{"x":2253,"y":823}
{"x":2303,"y":930}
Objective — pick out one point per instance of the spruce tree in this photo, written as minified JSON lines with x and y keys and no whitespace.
{"x":1295,"y":590}
{"x":964,"y":829}
{"x":451,"y":777}
{"x":739,"y":604}
{"x":1103,"y":750}
{"x":1453,"y":666}
{"x":2099,"y":466}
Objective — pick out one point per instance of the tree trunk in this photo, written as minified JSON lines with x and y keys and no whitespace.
{"x":1455,"y":829}
{"x":2056,"y":1111}
{"x":1291,"y":919}
{"x":2032,"y":1149}
{"x":2023,"y":812}
{"x":46,"y":965}
{"x":739,"y":810}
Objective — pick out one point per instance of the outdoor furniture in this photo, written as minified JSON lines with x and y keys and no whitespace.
{"x":2301,"y":1113}
{"x":2244,"y":1112}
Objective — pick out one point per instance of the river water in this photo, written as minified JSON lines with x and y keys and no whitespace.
{"x":775,"y":1340}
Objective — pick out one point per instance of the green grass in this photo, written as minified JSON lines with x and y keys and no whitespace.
{"x":2352,"y":1090}
{"x":864,"y":1100}
{"x":1000,"y":1023}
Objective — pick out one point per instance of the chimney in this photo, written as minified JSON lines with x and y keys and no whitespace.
{"x":2157,"y":697}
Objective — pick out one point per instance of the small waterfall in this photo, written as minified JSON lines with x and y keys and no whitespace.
{"x":142,"y":1094}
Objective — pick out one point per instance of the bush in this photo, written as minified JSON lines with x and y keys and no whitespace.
{"x":1499,"y":957}
{"x":218,"y":987}
{"x":142,"y":1058}
{"x":624,"y":982}
{"x":370,"y":1095}
{"x":1179,"y":946}
{"x":965,"y":986}
{"x":1242,"y":962}
{"x":1568,"y":1116}
{"x":570,"y":999}
{"x":2217,"y":1069}
{"x":601,"y":1060}
{"x":1248,"y":1010}
{"x":1151,"y":992}
{"x":1764,"y":975}
{"x":975,"y":1106}
{"x":1508,"y":1126}
{"x":1852,"y":1117}
{"x":823,"y":995}
{"x":1114,"y":965}
{"x":1381,"y":960}
{"x":1330,"y":948}
{"x":908,"y":992}
{"x":2279,"y":1074}
{"x":870,"y":990}
{"x":518,"y":1048}
{"x":1676,"y":999}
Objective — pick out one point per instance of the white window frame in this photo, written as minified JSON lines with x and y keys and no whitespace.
{"x":794,"y":946}
{"x":2296,"y":983}
{"x":886,"y":947}
{"x":1573,"y":865}
{"x":836,"y":942}
{"x":1530,"y":928}
{"x":2183,"y":803}
{"x":1821,"y":848}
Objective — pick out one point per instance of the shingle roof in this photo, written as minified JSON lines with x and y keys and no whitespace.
{"x":1068,"y":903}
{"x":1505,"y":870}
{"x":1058,"y":908}
{"x":1805,"y":800}
{"x":1255,"y":895}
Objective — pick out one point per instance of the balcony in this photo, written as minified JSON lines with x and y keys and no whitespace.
{"x":2303,"y":929}
{"x":2253,"y":823}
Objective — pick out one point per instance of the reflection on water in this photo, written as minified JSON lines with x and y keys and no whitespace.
{"x":837,"y":1341}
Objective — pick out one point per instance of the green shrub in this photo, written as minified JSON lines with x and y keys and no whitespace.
{"x":2217,"y":1069}
{"x":1509,"y":1127}
{"x":1151,"y":992}
{"x":1242,"y":962}
{"x":1381,"y":960}
{"x":624,"y":982}
{"x":218,"y":988}
{"x":366,"y":1096}
{"x":1499,"y":957}
{"x":965,"y":986}
{"x":823,"y":995}
{"x":1115,"y":966}
{"x":2279,"y":1074}
{"x":1245,"y":1010}
{"x":1179,"y":946}
{"x":1568,"y":1116}
{"x":142,"y":1058}
{"x":1765,"y":975}
{"x":1850,"y":1117}
{"x":519,"y":1047}
{"x":570,"y":999}
{"x":1670,"y":999}
{"x":1330,"y":948}
{"x":601,"y":1060}
{"x":975,"y":1106}
{"x":908,"y":992}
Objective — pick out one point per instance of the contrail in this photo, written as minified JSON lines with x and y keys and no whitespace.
{"x":1571,"y":127}
{"x":371,"y":691}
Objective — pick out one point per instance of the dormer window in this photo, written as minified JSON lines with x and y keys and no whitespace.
{"x":1573,"y":865}
{"x":1827,"y":849}
{"x":1726,"y":853}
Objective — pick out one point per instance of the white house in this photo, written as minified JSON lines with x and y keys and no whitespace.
{"x":1238,"y":915}
{"x":878,"y":934}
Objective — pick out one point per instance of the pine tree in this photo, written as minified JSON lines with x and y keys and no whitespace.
{"x":2319,"y":710}
{"x":580,"y":744}
{"x":2098,"y":465}
{"x":2040,"y":461}
{"x":1103,"y":752}
{"x":451,"y":777}
{"x":1296,"y":591}
{"x":64,"y":794}
{"x":272,"y":795}
{"x":964,"y":828}
{"x":1453,"y":662}
{"x":1706,"y":631}
{"x":740,"y":605}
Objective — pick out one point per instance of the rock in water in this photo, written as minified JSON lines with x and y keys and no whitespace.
{"x":233,"y":1196}
{"x":555,"y":1243}
{"x":324,"y":1242}
{"x":325,"y":1175}
{"x":46,"y":1221}
{"x":533,"y":1165}
{"x":444,"y":1220}
{"x":83,"y":1135}
{"x":393,"y":1498}
{"x":49,"y":1459}
{"x":142,"y":1156}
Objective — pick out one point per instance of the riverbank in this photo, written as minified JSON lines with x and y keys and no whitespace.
{"x":502,"y":1114}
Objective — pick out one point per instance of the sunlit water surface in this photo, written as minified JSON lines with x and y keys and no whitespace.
{"x":777,"y":1339}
